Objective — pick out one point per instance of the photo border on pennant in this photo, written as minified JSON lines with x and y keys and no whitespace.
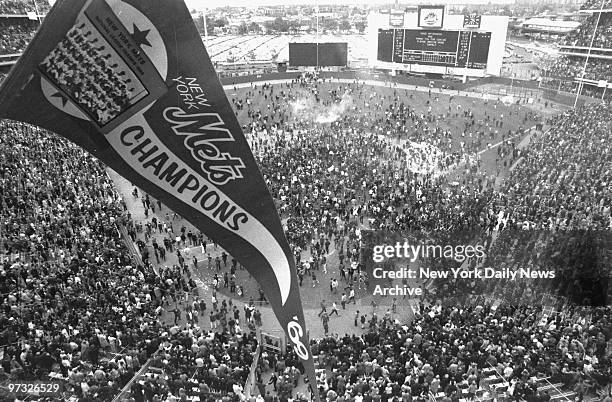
{"x":154,"y":85}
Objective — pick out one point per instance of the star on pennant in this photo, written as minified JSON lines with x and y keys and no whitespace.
{"x":63,"y":97}
{"x":140,"y":37}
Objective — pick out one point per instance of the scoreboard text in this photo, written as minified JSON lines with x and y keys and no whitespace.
{"x":434,"y":47}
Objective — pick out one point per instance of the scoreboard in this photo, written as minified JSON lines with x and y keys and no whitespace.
{"x":318,"y":54}
{"x":456,"y":48}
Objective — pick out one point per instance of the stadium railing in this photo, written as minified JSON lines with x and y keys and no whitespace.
{"x":127,"y":388}
{"x":9,"y":59}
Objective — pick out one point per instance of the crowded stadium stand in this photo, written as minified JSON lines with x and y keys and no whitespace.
{"x":22,"y":8}
{"x":585,"y":54}
{"x":110,"y":294}
{"x":18,"y":23}
{"x":596,"y":5}
{"x":16,"y":34}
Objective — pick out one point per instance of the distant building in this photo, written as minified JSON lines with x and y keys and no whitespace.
{"x":547,"y":28}
{"x":274,"y":12}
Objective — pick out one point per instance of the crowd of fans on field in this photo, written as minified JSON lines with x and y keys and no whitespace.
{"x":563,"y":181}
{"x":553,"y":212}
{"x":358,"y":169}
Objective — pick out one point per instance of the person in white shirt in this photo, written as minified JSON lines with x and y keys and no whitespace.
{"x":334,"y":309}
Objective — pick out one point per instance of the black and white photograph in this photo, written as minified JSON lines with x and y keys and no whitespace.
{"x":289,"y":201}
